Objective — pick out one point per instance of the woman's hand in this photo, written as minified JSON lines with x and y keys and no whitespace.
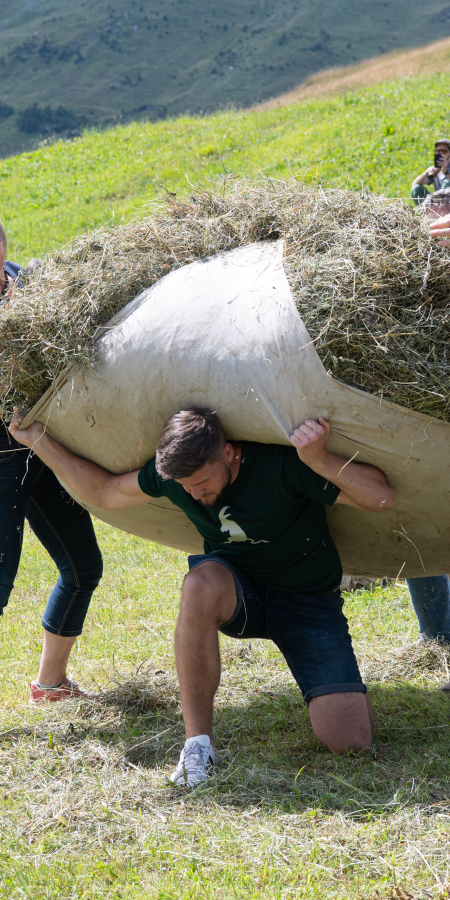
{"x":29,"y":435}
{"x":440,"y":229}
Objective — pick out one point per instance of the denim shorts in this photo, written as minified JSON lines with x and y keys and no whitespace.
{"x":29,"y":490}
{"x":310,"y":629}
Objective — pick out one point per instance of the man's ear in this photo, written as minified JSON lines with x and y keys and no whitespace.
{"x":228,"y":452}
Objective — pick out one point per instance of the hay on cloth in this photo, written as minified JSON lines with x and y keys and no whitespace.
{"x":370,"y":284}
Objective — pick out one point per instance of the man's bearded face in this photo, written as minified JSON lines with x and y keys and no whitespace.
{"x":209,"y":484}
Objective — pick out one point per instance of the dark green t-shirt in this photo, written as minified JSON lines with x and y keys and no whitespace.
{"x":271,"y":524}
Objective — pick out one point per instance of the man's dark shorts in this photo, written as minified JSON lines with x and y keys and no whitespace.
{"x":310,"y":630}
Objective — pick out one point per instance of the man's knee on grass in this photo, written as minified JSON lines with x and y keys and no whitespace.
{"x":343,"y":722}
{"x":209,"y":591}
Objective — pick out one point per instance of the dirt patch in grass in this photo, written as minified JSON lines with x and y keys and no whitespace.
{"x":433,"y":57}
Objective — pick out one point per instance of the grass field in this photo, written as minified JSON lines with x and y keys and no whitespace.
{"x":86,"y":810}
{"x":380,"y":136}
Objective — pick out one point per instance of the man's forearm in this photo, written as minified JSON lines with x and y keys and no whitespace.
{"x":83,"y":477}
{"x":422,"y":179}
{"x":364,"y":484}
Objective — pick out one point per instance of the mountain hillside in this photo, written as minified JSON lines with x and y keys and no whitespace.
{"x":434,"y":58}
{"x":378,"y":137}
{"x":64,"y":65}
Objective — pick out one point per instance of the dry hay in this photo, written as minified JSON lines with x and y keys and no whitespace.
{"x":428,"y":660}
{"x":370,"y":284}
{"x":143,"y":692}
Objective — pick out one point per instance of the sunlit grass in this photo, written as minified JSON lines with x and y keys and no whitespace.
{"x":87,"y":811}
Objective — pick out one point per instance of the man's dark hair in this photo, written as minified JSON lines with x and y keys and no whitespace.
{"x":190,"y":439}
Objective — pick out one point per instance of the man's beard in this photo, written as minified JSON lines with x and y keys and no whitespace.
{"x":215,"y":499}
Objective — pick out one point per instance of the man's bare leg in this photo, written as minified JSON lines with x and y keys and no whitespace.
{"x":343,"y":722}
{"x":55,"y":656}
{"x":208,"y":599}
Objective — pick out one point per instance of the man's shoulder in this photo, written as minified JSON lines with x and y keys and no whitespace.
{"x":271,"y":461}
{"x":153,"y":484}
{"x":258,"y":447}
{"x":284,"y":471}
{"x":273,"y":457}
{"x":148,"y":479}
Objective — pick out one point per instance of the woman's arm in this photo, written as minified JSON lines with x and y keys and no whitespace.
{"x":89,"y":481}
{"x":440,"y":229}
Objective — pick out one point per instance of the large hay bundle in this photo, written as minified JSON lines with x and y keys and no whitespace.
{"x":371,"y":286}
{"x":248,"y":355}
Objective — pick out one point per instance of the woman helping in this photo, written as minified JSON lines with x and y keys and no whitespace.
{"x":29,"y":490}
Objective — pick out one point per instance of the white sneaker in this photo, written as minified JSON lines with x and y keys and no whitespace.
{"x":195,"y":764}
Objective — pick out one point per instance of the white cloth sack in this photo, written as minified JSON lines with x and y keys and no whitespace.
{"x":225,"y":333}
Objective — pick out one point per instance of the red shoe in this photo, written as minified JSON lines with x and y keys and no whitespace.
{"x":68,"y":690}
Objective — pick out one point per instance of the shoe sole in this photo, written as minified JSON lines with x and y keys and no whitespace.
{"x":59,"y":700}
{"x":187,"y":784}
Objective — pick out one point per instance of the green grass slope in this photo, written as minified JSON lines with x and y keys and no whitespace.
{"x":380,"y":137}
{"x":105,"y":64}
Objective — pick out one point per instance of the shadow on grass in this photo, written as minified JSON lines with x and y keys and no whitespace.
{"x":268,"y":754}
{"x":272,"y":753}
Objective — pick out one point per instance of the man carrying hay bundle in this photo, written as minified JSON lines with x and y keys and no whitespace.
{"x":370,"y":288}
{"x":28,"y":490}
{"x":269,"y":570}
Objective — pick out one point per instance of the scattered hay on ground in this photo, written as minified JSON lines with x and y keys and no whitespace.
{"x":145,"y":691}
{"x":369,"y":282}
{"x":429,"y":660}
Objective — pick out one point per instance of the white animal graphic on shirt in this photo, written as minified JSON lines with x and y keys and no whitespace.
{"x":235,"y":531}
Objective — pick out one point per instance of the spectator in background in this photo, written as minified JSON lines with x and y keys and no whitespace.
{"x":436,"y":175}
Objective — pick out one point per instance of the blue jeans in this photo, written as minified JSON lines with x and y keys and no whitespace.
{"x":419,"y":193}
{"x":430,"y":598}
{"x":310,"y":630}
{"x":29,"y":490}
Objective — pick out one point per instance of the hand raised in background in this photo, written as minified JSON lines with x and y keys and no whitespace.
{"x":440,"y":229}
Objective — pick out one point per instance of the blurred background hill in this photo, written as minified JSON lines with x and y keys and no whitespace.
{"x":65,"y":66}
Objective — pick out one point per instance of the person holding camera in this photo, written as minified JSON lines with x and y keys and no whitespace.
{"x":437,"y":175}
